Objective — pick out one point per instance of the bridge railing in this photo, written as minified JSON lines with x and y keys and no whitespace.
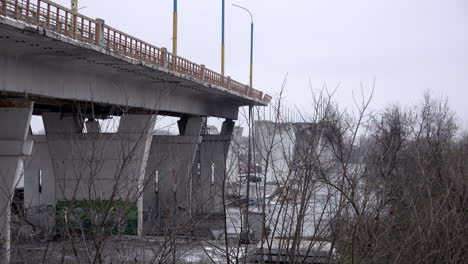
{"x":184,"y":66}
{"x":51,"y":16}
{"x":123,"y":44}
{"x":239,"y":87}
{"x":59,"y":19}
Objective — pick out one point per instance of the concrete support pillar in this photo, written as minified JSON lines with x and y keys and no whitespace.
{"x":92,"y":126}
{"x":209,"y":183}
{"x":167,"y":196}
{"x":39,"y":186}
{"x":136,"y":132}
{"x":15,"y":117}
{"x":95,"y":166}
{"x":227,"y":129}
{"x":62,"y":124}
{"x":232,"y":160}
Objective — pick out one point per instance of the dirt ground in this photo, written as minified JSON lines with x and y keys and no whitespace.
{"x":121,"y":249}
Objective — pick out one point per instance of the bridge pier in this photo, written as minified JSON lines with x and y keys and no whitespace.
{"x":39,"y":186}
{"x":185,"y":180}
{"x":97,"y":167}
{"x":183,"y":175}
{"x":16,"y":117}
{"x":209,"y":183}
{"x":167,"y":199}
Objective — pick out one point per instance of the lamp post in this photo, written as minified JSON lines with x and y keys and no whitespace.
{"x":251,"y":41}
{"x":222,"y":37}
{"x":246,"y":232}
{"x":174,"y":29}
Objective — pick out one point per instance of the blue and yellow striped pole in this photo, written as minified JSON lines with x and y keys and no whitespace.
{"x":174,"y":29}
{"x":251,"y":42}
{"x":222,"y":38}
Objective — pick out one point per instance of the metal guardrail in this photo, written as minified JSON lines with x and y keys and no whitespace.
{"x":59,"y":19}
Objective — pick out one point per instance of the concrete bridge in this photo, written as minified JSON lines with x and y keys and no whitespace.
{"x":73,"y":71}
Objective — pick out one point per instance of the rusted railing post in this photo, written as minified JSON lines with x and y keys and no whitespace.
{"x":202,"y":72}
{"x":100,"y":24}
{"x":66,"y":22}
{"x":38,"y":13}
{"x":174,"y":62}
{"x":82,"y":29}
{"x":115,"y":46}
{"x":27,"y":11}
{"x":3,"y":7}
{"x":48,"y":16}
{"x":140,"y":50}
{"x":163,"y":59}
{"x":16,"y":10}
{"x":58,"y":24}
{"x":74,"y":22}
{"x":228,"y":80}
{"x":125,"y":46}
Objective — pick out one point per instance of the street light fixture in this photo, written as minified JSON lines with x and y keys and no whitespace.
{"x":251,"y":41}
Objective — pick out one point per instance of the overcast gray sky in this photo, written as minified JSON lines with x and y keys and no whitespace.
{"x":409,"y":46}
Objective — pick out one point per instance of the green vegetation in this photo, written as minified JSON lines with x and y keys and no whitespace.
{"x":117,"y":217}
